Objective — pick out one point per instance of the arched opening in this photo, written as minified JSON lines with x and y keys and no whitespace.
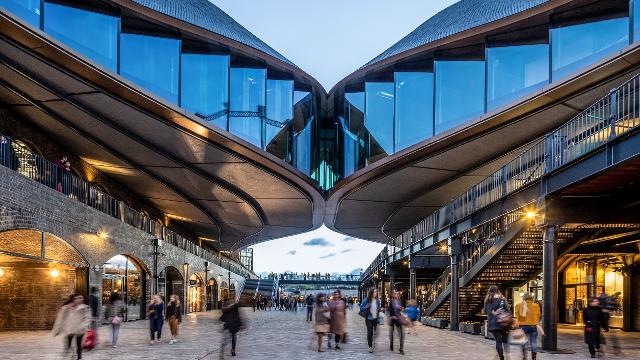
{"x":196,"y":294}
{"x":124,"y":278}
{"x":212,"y":295}
{"x":171,"y":282}
{"x":224,"y":292}
{"x":38,"y":271}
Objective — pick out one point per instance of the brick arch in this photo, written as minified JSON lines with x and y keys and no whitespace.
{"x":27,"y":242}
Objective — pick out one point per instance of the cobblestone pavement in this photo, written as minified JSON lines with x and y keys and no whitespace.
{"x":285,"y":334}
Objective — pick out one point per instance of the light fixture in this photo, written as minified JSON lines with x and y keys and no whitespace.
{"x":103,"y":234}
{"x":1,"y":272}
{"x":444,"y":247}
{"x":54,"y":273}
{"x":531,"y":214}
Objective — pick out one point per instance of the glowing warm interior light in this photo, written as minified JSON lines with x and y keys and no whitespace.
{"x":54,"y":273}
{"x":103,"y":234}
{"x":1,"y":272}
{"x":531,"y":214}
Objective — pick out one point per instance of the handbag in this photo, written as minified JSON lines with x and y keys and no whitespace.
{"x":90,"y":340}
{"x":363,"y":312}
{"x":540,"y":330}
{"x":117,"y":320}
{"x":381,"y":319}
{"x":518,"y":337}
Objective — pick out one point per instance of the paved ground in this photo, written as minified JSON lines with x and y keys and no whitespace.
{"x":286,"y":335}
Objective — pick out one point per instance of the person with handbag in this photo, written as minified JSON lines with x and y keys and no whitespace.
{"x":528,"y":314}
{"x":499,"y":319}
{"x":232,"y":323}
{"x":322,"y":315}
{"x":174,"y":317}
{"x":73,"y":321}
{"x":370,"y":309}
{"x":338,"y":309}
{"x":594,"y":319}
{"x":396,"y":316}
{"x":155,"y":312}
{"x":114,"y":314}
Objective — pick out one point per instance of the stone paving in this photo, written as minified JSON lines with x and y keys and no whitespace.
{"x":287,"y":335}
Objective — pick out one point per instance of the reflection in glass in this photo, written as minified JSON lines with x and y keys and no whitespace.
{"x":577,"y":46}
{"x":302,"y":128}
{"x":515,"y":71}
{"x":303,"y":147}
{"x":204,"y":86}
{"x":27,"y":10}
{"x":414,"y":108}
{"x":151,"y":62}
{"x":459,"y":92}
{"x":247,"y":94}
{"x":353,"y":135}
{"x":378,"y":118}
{"x":92,"y":34}
{"x":279,"y":108}
{"x":636,"y":21}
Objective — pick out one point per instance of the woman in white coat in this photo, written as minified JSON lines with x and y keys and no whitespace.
{"x":72,"y":322}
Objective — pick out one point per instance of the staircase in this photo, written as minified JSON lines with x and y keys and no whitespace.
{"x":255,"y":287}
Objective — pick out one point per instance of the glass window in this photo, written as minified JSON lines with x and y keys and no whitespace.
{"x":300,"y":96}
{"x":247,"y":94}
{"x":378,"y":118}
{"x":92,"y":34}
{"x":205,"y":86}
{"x":279,"y":108}
{"x":459,"y":92}
{"x":304,"y":147}
{"x":27,"y":10}
{"x":356,"y":100}
{"x":636,"y":20}
{"x":151,"y":62}
{"x":577,"y":46}
{"x":354,"y":150}
{"x":414,"y":108}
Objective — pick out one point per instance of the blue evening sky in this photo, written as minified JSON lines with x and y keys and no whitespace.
{"x":329,"y":39}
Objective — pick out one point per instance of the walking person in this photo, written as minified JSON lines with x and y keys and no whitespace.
{"x":155,"y":312}
{"x":594,"y":320}
{"x":395,"y":313}
{"x":174,"y":317}
{"x":528,"y":313}
{"x":413,"y":313}
{"x":338,"y":316}
{"x":309,"y":302}
{"x":322,"y":315}
{"x":498,"y":313}
{"x":232,"y":323}
{"x":72,"y":321}
{"x":370,"y":310}
{"x":114,"y":314}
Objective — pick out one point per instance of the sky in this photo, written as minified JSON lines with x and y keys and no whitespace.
{"x":329,"y":39}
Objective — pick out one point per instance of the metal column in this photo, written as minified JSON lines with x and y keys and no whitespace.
{"x":550,"y":291}
{"x":454,"y":252}
{"x":412,"y":283}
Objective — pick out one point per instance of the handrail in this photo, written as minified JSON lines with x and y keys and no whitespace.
{"x":19,"y":158}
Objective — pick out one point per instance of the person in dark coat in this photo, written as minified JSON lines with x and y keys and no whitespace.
{"x":155,"y":312}
{"x":233,"y":323}
{"x":594,"y":320}
{"x":494,"y":304}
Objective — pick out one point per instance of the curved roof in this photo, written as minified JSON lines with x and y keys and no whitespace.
{"x":206,"y":15}
{"x":459,"y":17}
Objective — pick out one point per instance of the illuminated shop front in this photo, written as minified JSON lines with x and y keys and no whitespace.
{"x":124,"y":278}
{"x":196,"y":294}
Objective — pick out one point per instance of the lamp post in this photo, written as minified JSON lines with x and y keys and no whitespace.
{"x":206,"y":286}
{"x":156,"y":244}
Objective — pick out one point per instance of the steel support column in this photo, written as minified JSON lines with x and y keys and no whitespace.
{"x":629,"y":296}
{"x":454,"y":252}
{"x":412,"y":283}
{"x":550,"y":291}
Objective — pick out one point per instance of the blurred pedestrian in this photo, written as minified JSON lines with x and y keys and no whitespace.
{"x":72,"y":321}
{"x":309,"y":302}
{"x":174,"y":317}
{"x":114,"y":313}
{"x":594,"y":320}
{"x":322,"y":315}
{"x":395,"y":314}
{"x":413,"y":313}
{"x":338,"y":316}
{"x":232,"y":323}
{"x":528,"y":314}
{"x":497,"y":310}
{"x":370,"y":310}
{"x":155,"y":312}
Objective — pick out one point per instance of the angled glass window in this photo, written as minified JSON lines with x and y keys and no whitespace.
{"x":414,"y":108}
{"x":280,"y":109}
{"x":27,"y":10}
{"x":302,"y":128}
{"x":355,"y":100}
{"x":300,"y":96}
{"x":304,"y":147}
{"x":93,"y":34}
{"x":354,"y":138}
{"x":578,"y":46}
{"x":459,"y":92}
{"x":151,"y":62}
{"x":247,"y":99}
{"x":636,"y":20}
{"x":205,"y":86}
{"x":378,"y":118}
{"x":515,"y":71}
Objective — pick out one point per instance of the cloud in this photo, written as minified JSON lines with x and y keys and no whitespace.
{"x":349,"y":239}
{"x":291,"y":252}
{"x":345,"y":251}
{"x":318,"y":242}
{"x":327,"y":256}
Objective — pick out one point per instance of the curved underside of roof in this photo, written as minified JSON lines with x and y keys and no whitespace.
{"x":459,"y":17}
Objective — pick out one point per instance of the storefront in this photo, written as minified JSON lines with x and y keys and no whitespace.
{"x":212,"y":295}
{"x":196,"y":294}
{"x":124,"y":278}
{"x":171,"y":282}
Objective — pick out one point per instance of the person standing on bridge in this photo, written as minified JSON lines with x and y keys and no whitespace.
{"x":370,"y":310}
{"x":309,"y":302}
{"x":338,"y":310}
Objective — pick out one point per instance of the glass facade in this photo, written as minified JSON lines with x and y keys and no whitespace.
{"x":577,"y":46}
{"x":27,"y":10}
{"x":92,"y":34}
{"x":279,"y":109}
{"x":414,"y":108}
{"x":353,"y":139}
{"x":459,"y":94}
{"x":515,"y":71}
{"x":151,"y":62}
{"x":247,"y":98}
{"x":204,"y":86}
{"x":378,"y":118}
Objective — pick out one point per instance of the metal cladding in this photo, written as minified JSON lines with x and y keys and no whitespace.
{"x":206,"y":15}
{"x":459,"y":17}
